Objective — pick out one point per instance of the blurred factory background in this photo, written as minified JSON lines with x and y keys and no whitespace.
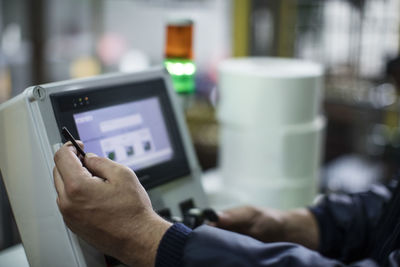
{"x":357,"y":42}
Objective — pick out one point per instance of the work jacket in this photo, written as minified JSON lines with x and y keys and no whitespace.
{"x":355,"y":230}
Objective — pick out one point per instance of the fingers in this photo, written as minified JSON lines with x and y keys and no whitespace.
{"x":237,"y":217}
{"x":224,"y":220}
{"x":80,"y":144}
{"x":68,"y":164}
{"x":103,"y":167}
{"x":58,"y":183}
{"x":73,"y":148}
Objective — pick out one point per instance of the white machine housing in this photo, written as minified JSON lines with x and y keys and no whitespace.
{"x":29,"y":137}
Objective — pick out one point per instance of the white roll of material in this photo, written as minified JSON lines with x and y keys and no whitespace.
{"x":278,"y":194}
{"x":281,"y":195}
{"x":286,"y":151}
{"x":265,"y":92}
{"x":271,"y":130}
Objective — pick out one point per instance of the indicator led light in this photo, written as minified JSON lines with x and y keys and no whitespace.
{"x":179,"y":55}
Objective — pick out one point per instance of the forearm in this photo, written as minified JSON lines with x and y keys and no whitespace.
{"x":143,"y":253}
{"x":269,"y":225}
{"x":296,"y":226}
{"x":300,"y":226}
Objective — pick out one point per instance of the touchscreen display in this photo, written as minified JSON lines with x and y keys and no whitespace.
{"x":133,"y":134}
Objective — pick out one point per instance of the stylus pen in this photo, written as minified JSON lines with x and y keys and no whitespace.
{"x":68,"y":136}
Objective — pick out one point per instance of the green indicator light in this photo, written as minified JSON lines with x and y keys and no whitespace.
{"x":80,"y":99}
{"x":182,"y":73}
{"x":180,"y":69}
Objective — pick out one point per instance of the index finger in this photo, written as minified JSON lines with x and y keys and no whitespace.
{"x":68,"y":163}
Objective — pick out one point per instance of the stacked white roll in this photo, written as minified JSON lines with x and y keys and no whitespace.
{"x":271,"y":130}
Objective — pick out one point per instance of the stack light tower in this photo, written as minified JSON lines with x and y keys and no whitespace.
{"x":179,"y":55}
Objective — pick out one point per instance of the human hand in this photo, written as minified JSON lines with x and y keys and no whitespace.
{"x":269,"y":225}
{"x":263,"y":224}
{"x":104,"y":203}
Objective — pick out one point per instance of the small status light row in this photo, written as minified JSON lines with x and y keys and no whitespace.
{"x":178,"y":68}
{"x":81,"y":101}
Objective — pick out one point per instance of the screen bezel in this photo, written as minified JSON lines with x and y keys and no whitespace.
{"x":107,"y":96}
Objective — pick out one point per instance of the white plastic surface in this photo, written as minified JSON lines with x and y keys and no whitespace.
{"x":14,"y":257}
{"x":266,"y":92}
{"x":293,"y":151}
{"x":29,"y":137}
{"x":271,"y":67}
{"x":284,"y":193}
{"x":271,"y":131}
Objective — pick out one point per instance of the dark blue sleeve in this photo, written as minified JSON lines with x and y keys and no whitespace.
{"x":170,"y":249}
{"x":210,"y":246}
{"x":346,"y":222}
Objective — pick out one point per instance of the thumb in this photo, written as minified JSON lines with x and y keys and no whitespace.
{"x":101,"y":167}
{"x":224,"y":220}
